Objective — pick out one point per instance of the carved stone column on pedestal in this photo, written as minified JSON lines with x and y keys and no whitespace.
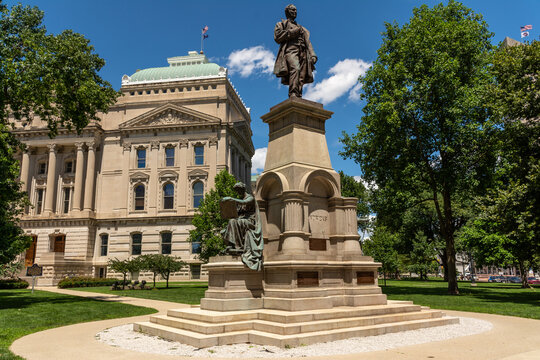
{"x":51,"y":180}
{"x":293,"y":236}
{"x":90,"y":177}
{"x":79,"y":170}
{"x":351,"y":245}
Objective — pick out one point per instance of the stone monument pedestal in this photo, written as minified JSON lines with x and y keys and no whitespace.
{"x":315,"y":285}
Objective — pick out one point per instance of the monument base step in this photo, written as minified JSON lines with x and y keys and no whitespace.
{"x":203,"y":328}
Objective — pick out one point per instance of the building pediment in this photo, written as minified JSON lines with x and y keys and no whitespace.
{"x":169,"y":115}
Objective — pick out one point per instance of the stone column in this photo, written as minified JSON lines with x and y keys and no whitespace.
{"x":79,"y":170}
{"x":153,"y":159}
{"x":351,"y":243}
{"x":212,"y":160}
{"x":51,"y":180}
{"x":293,"y":242}
{"x":25,"y":165}
{"x":90,"y":177}
{"x":125,"y":186}
{"x":183,"y":183}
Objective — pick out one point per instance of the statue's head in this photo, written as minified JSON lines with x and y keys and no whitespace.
{"x":240,"y":187}
{"x":290,"y":12}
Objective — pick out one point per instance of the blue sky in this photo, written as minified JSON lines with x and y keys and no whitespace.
{"x":137,"y":34}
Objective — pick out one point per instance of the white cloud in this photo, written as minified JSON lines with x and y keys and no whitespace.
{"x":343,"y":79}
{"x":258,"y":160}
{"x":372,"y":186}
{"x":250,"y":60}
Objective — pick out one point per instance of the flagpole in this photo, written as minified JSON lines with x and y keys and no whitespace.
{"x":202,"y":35}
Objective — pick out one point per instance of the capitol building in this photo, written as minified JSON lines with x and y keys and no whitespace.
{"x":131,"y":183}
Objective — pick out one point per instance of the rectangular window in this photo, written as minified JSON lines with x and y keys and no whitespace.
{"x":39,"y":201}
{"x":141,"y":158}
{"x":169,"y":156}
{"x":195,"y":272}
{"x":42,"y":169}
{"x":67,"y":193}
{"x":166,"y":240}
{"x":199,"y":155}
{"x":136,"y":244}
{"x":195,"y":247}
{"x":69,"y":167}
{"x":104,"y":244}
{"x":59,"y":244}
{"x":102,"y":272}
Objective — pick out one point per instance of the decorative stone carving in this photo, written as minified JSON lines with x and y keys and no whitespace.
{"x":126,"y":146}
{"x":52,"y":147}
{"x":213,"y":141}
{"x":154,"y":144}
{"x":183,"y":143}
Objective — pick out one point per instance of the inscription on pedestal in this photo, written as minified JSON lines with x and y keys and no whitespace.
{"x":317,"y":244}
{"x":365,"y":277}
{"x":307,"y":278}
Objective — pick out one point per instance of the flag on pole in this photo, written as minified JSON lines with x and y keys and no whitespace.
{"x":205,"y":29}
{"x":205,"y":36}
{"x":524,"y":34}
{"x":526,"y":27}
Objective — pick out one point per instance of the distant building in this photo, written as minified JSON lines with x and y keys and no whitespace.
{"x":130,"y":184}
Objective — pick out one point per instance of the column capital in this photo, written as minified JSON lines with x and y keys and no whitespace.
{"x":52,"y":147}
{"x":154,"y":144}
{"x":126,"y":146}
{"x":213,"y":141}
{"x":79,"y":145}
{"x":91,"y":145}
{"x":183,"y":143}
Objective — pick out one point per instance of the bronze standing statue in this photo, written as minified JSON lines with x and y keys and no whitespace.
{"x":296,"y":59}
{"x":243,"y":234}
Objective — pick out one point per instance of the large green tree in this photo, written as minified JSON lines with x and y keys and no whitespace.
{"x":425,"y":128}
{"x":52,"y":77}
{"x":208,"y":221}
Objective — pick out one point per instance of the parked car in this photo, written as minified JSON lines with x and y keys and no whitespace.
{"x":533,"y":280}
{"x":514,"y":279}
{"x":497,"y":279}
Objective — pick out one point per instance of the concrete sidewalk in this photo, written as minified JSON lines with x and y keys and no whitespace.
{"x":511,"y":338}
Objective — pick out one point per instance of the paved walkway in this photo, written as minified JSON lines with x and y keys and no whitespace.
{"x":511,"y":338}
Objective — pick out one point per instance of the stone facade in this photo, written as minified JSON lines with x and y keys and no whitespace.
{"x":129,"y":184}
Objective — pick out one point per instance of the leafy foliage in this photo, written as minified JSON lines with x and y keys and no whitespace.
{"x":13,"y":284}
{"x":52,"y":77}
{"x":426,"y":133}
{"x":11,"y":269}
{"x":160,"y":264}
{"x":124,"y":267}
{"x":422,"y":256}
{"x":381,"y":246}
{"x":208,"y":222}
{"x":84,"y":281}
{"x":352,"y":188}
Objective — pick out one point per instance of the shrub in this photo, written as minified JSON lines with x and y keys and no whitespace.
{"x":83,"y":281}
{"x":13,"y":284}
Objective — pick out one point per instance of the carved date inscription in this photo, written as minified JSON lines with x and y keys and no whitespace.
{"x":365,"y":277}
{"x":307,"y":278}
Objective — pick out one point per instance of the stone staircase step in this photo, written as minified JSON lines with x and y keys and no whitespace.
{"x":265,"y":338}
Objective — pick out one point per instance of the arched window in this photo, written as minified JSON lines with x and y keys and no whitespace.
{"x":139,"y":197}
{"x":168,"y":196}
{"x":198,"y":192}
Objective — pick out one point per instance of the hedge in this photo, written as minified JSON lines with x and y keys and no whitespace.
{"x":83,"y":281}
{"x":13,"y":284}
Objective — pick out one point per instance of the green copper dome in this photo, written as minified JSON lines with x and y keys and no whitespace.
{"x":180,"y":68}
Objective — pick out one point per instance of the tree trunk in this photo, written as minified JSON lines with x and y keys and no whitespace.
{"x":124,"y":282}
{"x":523,"y":273}
{"x":451,"y":265}
{"x":167,"y":281}
{"x":154,"y":280}
{"x":384,"y":277}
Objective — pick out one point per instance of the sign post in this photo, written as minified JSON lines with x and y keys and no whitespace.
{"x":34,"y":271}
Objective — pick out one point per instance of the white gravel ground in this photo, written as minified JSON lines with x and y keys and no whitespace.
{"x":124,"y":337}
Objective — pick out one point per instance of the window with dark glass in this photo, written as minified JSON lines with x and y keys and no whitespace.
{"x":67,"y":194}
{"x":139,"y":197}
{"x":42,"y":168}
{"x":169,"y":156}
{"x":198,"y":192}
{"x":141,"y":158}
{"x":168,"y":196}
{"x":195,"y":247}
{"x":69,"y":167}
{"x":39,"y":201}
{"x":166,"y":240}
{"x":136,"y":244}
{"x":104,"y":244}
{"x":199,"y":155}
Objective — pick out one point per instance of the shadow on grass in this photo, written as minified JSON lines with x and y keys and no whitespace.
{"x":12,"y":299}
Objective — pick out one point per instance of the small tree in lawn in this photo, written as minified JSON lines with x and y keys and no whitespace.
{"x":124,"y":267}
{"x":170,"y":264}
{"x":151,"y":262}
{"x":381,"y":247}
{"x":208,"y":221}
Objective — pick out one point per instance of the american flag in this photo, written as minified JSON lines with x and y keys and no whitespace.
{"x":526,"y":27}
{"x":205,"y":29}
{"x":524,"y":34}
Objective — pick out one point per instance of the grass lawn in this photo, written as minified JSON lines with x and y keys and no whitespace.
{"x":180,"y":292}
{"x":22,"y":313}
{"x":491,"y":298}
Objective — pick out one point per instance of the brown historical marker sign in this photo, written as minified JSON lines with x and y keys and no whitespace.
{"x":307,"y":278}
{"x":365,"y":277}
{"x":317,"y":244}
{"x":34,"y":270}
